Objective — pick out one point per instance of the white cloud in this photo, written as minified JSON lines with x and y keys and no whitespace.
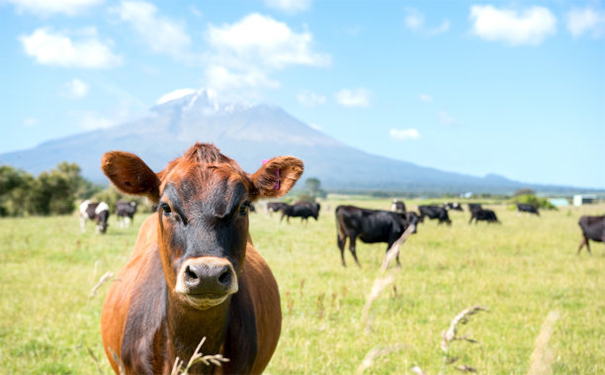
{"x":426,"y":98}
{"x":414,"y":20}
{"x":353,"y":98}
{"x":160,"y":34}
{"x":529,"y":26}
{"x":289,"y":6}
{"x":51,"y":7}
{"x":245,"y":53}
{"x":55,"y":48}
{"x":222,"y":78}
{"x":444,"y":27}
{"x":583,"y":21}
{"x":261,"y":38}
{"x":75,"y":89}
{"x":445,"y":118}
{"x":176,"y":94}
{"x":316,"y":127}
{"x":30,"y":121}
{"x":310,"y":99}
{"x":91,"y":120}
{"x":404,"y":134}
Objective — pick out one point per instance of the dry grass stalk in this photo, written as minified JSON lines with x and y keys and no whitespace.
{"x":118,"y":360}
{"x":379,"y":285}
{"x":214,"y":359}
{"x":452,"y":333}
{"x":418,"y":371}
{"x":394,"y":249}
{"x":94,"y":358}
{"x":108,"y":275}
{"x":542,"y":357}
{"x":374,"y":353}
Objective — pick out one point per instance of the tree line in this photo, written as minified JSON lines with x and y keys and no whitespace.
{"x":55,"y":192}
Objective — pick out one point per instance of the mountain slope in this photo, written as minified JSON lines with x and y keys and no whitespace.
{"x":249,"y":134}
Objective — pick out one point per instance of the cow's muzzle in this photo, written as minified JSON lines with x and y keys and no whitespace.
{"x":206,"y":281}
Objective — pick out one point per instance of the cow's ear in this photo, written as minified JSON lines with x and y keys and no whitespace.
{"x":277,"y":176}
{"x":131,"y":175}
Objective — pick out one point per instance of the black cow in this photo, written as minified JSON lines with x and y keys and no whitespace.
{"x":530,"y":209}
{"x":398,"y":206}
{"x":434,"y":212}
{"x":474,"y":207}
{"x":125,"y":212}
{"x":485,"y":215}
{"x":413,"y":219}
{"x":94,"y":211}
{"x":593,"y":228}
{"x":276,"y":206}
{"x":452,"y":206}
{"x":304,"y":210}
{"x":371,"y":226}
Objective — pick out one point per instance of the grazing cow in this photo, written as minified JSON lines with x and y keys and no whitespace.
{"x":434,"y":212}
{"x":530,"y":209}
{"x":304,"y":210}
{"x":125,"y":212}
{"x":453,"y":206}
{"x":94,"y":211}
{"x":474,"y":207}
{"x":593,"y":228}
{"x":485,"y":215}
{"x":371,"y":226}
{"x":398,"y":206}
{"x":194,"y":272}
{"x":276,"y":206}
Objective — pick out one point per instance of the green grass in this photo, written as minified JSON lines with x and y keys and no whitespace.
{"x":520,"y":270}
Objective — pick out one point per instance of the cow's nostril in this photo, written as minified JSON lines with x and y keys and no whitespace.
{"x":190,"y":274}
{"x":225,"y":277}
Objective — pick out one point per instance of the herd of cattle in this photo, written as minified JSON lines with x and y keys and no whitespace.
{"x":194,"y":272}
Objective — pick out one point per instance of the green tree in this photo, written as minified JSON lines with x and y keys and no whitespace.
{"x":55,"y":192}
{"x":15,"y":191}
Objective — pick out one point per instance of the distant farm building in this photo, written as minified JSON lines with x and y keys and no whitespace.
{"x":559,"y":202}
{"x":579,"y":199}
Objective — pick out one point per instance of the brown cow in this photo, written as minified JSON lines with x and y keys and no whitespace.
{"x":593,"y":228}
{"x":194,"y":272}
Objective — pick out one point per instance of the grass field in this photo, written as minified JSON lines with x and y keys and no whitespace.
{"x":521,"y":271}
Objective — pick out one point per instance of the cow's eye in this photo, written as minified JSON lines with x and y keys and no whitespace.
{"x":243,"y":209}
{"x":165,"y":208}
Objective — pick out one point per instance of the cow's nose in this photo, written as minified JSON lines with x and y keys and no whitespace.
{"x":208,"y":278}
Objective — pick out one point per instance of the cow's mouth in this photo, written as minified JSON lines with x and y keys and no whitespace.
{"x":205,"y":301}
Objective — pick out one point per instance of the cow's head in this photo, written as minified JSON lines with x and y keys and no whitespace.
{"x":203,"y":199}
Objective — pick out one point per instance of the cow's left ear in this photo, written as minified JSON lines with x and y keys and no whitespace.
{"x":131,"y":175}
{"x":277,"y":176}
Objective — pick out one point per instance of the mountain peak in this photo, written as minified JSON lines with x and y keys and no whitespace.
{"x":204,"y":101}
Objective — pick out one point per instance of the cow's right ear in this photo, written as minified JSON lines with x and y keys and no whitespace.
{"x":131,"y":175}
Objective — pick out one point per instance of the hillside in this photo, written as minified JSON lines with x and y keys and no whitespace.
{"x":250,"y":134}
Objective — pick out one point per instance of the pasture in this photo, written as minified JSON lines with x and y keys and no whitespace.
{"x":520,"y":271}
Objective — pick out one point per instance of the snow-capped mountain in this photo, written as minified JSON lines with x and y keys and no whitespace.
{"x":247,"y":133}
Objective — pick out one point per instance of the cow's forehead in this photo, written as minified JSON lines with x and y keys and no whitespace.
{"x":197,"y":181}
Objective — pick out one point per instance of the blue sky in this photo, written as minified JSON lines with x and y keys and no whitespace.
{"x":515,"y":88}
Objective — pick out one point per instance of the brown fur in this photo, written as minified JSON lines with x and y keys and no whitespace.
{"x":143,"y":319}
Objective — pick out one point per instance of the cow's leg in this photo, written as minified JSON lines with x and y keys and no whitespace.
{"x":352,"y":249}
{"x":397,"y":257}
{"x":341,"y":240}
{"x":127,"y":219}
{"x":83,"y":224}
{"x":471,"y":219}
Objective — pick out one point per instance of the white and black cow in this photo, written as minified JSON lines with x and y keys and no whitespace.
{"x":125,"y":212}
{"x":94,"y":211}
{"x":398,"y":206}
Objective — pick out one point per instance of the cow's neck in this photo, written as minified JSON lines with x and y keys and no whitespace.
{"x":187,"y":327}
